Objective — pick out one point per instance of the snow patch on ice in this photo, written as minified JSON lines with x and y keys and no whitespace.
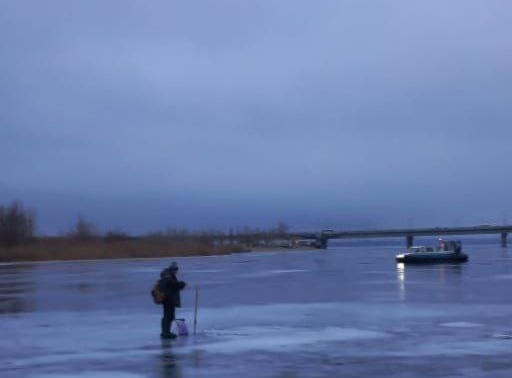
{"x":92,"y":374}
{"x":275,"y":338}
{"x":461,"y":325}
{"x":503,"y":336}
{"x":268,"y":273}
{"x":204,"y":271}
{"x":503,"y":277}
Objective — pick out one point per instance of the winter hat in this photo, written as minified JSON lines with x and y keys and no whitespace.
{"x":174,"y":267}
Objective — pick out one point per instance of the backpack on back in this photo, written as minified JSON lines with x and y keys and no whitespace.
{"x":157,"y":294}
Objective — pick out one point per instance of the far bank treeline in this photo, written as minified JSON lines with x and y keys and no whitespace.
{"x":19,"y":240}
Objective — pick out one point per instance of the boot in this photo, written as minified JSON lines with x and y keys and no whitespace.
{"x":169,"y":335}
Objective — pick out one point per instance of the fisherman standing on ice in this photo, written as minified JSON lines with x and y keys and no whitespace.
{"x":171,"y":287}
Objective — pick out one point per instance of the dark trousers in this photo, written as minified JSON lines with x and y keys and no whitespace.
{"x":169,"y":313}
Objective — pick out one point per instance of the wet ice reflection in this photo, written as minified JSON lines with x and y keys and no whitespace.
{"x":400,"y":275}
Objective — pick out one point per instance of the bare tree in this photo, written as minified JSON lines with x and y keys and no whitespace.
{"x":17,"y":224}
{"x":282,"y":229}
{"x":83,"y":230}
{"x":116,"y":235}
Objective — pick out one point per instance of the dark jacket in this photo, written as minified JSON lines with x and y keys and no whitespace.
{"x":170,"y":285}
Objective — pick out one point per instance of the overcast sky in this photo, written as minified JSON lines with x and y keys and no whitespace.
{"x":141,"y":115}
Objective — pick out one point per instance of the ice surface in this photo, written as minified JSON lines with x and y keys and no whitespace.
{"x":342,"y":312}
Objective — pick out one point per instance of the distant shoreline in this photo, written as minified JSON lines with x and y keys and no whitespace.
{"x":65,"y":250}
{"x":253,"y":250}
{"x":62,"y":249}
{"x":18,"y":262}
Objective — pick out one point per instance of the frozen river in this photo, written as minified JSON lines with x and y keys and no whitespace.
{"x":343,"y":312}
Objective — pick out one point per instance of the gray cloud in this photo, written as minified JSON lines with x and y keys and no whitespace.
{"x":229,"y":113}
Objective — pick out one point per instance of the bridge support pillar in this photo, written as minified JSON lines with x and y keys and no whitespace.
{"x":409,"y":241}
{"x":504,"y":239}
{"x":321,"y":243}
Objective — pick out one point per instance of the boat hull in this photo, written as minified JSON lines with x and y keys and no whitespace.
{"x":425,"y":258}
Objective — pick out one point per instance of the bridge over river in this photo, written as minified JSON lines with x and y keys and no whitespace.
{"x":323,"y":237}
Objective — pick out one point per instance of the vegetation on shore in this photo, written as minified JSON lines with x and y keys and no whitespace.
{"x":19,"y":241}
{"x":62,"y":248}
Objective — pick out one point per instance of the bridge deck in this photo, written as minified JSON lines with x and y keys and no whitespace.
{"x":435,"y":231}
{"x":408,"y":233}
